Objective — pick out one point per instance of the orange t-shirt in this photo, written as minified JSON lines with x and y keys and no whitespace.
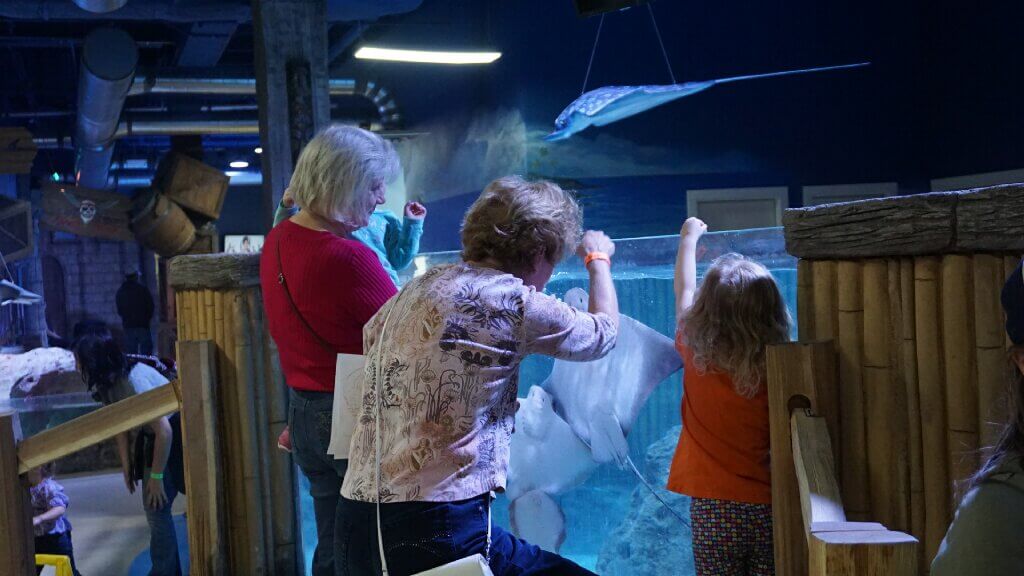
{"x":723,"y":450}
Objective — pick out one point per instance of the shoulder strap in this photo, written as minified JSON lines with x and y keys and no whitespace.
{"x":280,"y":280}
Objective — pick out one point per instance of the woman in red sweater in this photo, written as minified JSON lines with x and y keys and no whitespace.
{"x":319,"y":288}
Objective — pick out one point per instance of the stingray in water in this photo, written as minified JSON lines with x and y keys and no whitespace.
{"x":578,"y":420}
{"x":613,"y":103}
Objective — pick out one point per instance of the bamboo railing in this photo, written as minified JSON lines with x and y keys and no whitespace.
{"x":908,"y":289}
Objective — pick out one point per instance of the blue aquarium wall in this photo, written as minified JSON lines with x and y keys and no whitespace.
{"x":614,"y":525}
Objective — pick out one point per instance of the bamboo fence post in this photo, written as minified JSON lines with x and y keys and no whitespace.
{"x":805,"y":300}
{"x":959,"y":353}
{"x":245,"y":402}
{"x":852,"y":441}
{"x":899,"y":409}
{"x":908,"y":369}
{"x":991,"y":357}
{"x":1009,"y":267}
{"x":885,"y":439}
{"x":931,"y":382}
{"x":825,"y":312}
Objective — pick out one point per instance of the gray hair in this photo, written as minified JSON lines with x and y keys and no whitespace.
{"x":340,"y":165}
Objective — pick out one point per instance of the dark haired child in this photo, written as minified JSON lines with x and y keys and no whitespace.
{"x":49,"y":521}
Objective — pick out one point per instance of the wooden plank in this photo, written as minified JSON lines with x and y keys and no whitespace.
{"x":864,"y":553}
{"x":960,"y":364}
{"x":989,"y":335}
{"x":17,"y":546}
{"x":980,"y":220}
{"x":805,"y":300}
{"x":62,"y":210}
{"x":206,"y":515}
{"x":264,"y":444}
{"x":820,"y":499}
{"x":248,"y":437}
{"x":895,"y":226}
{"x":97,"y":426}
{"x":932,"y":388}
{"x":1009,"y":267}
{"x":899,"y":401}
{"x":234,"y":477}
{"x":908,"y":370}
{"x":802,"y":373}
{"x":852,"y":440}
{"x":825,"y":311}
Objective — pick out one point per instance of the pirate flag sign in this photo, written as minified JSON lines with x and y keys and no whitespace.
{"x":86,"y":212}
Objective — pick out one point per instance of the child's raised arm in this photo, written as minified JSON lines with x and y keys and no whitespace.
{"x":402,"y":239}
{"x":685,"y":280}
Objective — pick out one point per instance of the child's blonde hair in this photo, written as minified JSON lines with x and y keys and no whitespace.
{"x":738,"y":311}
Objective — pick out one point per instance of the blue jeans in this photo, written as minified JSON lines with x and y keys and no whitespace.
{"x":138,"y":341}
{"x":163,"y":541}
{"x":419,"y":536}
{"x":309,"y":417}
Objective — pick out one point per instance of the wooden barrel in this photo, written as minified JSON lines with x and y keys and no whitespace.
{"x":162,"y":226}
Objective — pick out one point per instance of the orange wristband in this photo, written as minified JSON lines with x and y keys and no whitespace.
{"x":596,"y":256}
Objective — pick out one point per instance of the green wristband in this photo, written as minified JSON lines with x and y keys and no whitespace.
{"x":156,"y":475}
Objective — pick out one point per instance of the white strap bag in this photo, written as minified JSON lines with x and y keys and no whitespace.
{"x":349,"y":375}
{"x":475,"y":565}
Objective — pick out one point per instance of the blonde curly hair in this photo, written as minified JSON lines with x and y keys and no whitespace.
{"x":514,"y":220}
{"x":737,"y":312}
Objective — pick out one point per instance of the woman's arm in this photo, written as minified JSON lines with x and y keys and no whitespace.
{"x":685,"y":280}
{"x":161,"y":428}
{"x":126,"y":462}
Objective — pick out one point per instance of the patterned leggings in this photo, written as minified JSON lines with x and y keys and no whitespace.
{"x":732,"y":538}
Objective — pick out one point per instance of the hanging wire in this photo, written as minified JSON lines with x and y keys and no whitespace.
{"x":657,"y":33}
{"x":593,"y":51}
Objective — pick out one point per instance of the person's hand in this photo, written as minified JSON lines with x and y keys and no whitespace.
{"x":595,"y":241}
{"x":693,"y":228}
{"x":415,"y":211}
{"x":156,"y":498}
{"x":129,"y":483}
{"x":287,"y":201}
{"x":36,"y":521}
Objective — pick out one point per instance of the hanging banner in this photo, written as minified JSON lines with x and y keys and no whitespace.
{"x":86,"y":212}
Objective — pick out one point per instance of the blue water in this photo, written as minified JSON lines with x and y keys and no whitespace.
{"x":596,"y":510}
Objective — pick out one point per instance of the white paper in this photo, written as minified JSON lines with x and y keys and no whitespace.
{"x":348,"y":397}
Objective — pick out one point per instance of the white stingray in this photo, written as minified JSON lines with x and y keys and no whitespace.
{"x":578,"y":421}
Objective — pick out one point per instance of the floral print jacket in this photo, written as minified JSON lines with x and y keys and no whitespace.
{"x":449,"y":372}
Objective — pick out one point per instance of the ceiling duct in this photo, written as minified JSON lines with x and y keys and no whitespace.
{"x":109,"y":59}
{"x":178,"y":11}
{"x":100,"y":6}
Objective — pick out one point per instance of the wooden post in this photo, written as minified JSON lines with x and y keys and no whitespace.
{"x":852,"y":440}
{"x":292,"y":35}
{"x":989,"y":336}
{"x":820,"y":499}
{"x":908,"y":370}
{"x":825,"y":312}
{"x":201,"y":441}
{"x":959,"y":354}
{"x":886,"y":432}
{"x":869,"y":551}
{"x":795,"y":370}
{"x":932,"y":388}
{"x":805,"y":300}
{"x":17,"y":546}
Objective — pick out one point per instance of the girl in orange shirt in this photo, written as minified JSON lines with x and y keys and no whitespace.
{"x":721,"y":461}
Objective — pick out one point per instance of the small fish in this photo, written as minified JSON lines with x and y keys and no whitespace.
{"x":613,"y":103}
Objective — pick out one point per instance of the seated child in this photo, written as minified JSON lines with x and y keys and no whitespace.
{"x":395,"y":242}
{"x":49,"y":504}
{"x":721,"y":461}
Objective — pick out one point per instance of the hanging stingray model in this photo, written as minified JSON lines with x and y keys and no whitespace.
{"x":613,"y":103}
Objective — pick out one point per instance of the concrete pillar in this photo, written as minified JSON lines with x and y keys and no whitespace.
{"x":291,"y":85}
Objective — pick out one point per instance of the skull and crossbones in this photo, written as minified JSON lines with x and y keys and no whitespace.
{"x":87,"y":209}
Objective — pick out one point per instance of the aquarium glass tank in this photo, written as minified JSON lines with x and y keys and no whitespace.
{"x":614,"y":524}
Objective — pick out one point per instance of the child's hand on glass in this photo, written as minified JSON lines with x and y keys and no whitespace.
{"x":287,"y":201}
{"x":693,"y":228}
{"x":415,"y":211}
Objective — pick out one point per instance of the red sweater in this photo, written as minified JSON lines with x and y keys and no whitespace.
{"x":337,"y":284}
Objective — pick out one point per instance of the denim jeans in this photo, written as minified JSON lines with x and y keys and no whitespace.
{"x":163,"y":541}
{"x":309,"y":417}
{"x":419,"y":536}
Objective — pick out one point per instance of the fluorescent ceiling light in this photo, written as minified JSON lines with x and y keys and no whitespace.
{"x":239,"y":164}
{"x":426,"y":56}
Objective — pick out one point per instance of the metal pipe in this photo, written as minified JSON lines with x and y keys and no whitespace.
{"x":109,"y":59}
{"x":129,"y":128}
{"x":100,"y":6}
{"x":150,"y":84}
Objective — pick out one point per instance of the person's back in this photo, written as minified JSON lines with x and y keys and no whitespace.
{"x":134,"y":304}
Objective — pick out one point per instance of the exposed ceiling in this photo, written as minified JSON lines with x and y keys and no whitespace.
{"x":41,"y":47}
